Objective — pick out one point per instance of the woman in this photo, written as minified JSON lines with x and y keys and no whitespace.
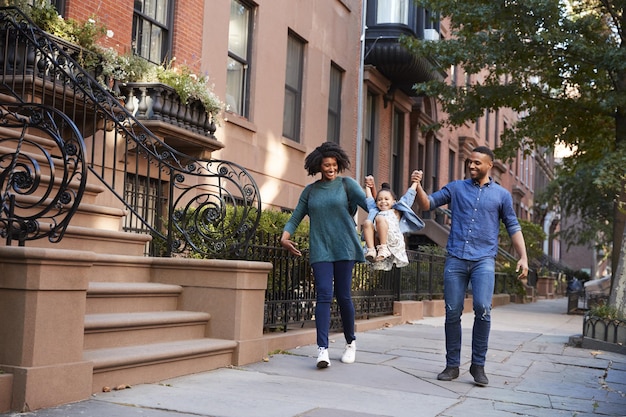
{"x":334,"y":243}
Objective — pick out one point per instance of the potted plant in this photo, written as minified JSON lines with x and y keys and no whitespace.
{"x":182,"y":97}
{"x":81,"y":38}
{"x":172,"y":93}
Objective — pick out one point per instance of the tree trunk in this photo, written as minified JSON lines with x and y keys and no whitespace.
{"x":618,"y":279}
{"x":618,"y":282}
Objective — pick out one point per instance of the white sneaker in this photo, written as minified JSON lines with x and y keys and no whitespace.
{"x":349,"y":355}
{"x":322,"y":358}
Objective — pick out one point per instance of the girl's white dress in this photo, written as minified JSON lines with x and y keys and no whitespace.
{"x":395,"y":243}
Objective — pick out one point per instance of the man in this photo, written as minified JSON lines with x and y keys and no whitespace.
{"x":478,"y":205}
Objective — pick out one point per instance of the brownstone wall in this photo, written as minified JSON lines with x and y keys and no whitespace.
{"x":116,"y":16}
{"x":188,"y":33}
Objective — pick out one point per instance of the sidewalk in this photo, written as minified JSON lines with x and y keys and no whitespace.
{"x":531,"y":369}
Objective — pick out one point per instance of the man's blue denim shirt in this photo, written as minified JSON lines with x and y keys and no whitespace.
{"x":476,"y":214}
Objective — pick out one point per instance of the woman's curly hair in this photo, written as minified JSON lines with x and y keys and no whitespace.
{"x":313,"y":161}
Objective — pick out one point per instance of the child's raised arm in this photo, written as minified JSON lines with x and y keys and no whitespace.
{"x":369,"y":186}
{"x":416,"y":178}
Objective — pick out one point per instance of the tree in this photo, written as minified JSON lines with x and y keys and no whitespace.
{"x":561,"y":64}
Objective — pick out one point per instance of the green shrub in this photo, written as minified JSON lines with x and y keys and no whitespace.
{"x":607,"y":312}
{"x":221,"y":228}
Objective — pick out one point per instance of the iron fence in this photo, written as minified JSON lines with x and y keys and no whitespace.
{"x":290,"y":295}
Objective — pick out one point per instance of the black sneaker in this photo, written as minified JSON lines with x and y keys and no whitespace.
{"x":449,"y":374}
{"x":478,"y":372}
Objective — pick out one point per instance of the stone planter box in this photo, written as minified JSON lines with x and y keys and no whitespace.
{"x":546,"y":286}
{"x":156,"y":101}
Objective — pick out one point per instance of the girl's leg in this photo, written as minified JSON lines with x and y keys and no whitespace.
{"x":368,"y":235}
{"x":323,"y":273}
{"x":343,"y":293}
{"x":382,"y":228}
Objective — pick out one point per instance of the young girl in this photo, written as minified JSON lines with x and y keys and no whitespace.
{"x":389,"y":220}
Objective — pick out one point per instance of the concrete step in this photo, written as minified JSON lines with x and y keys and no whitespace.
{"x":158,"y":361}
{"x":96,"y":226}
{"x":131,"y":297}
{"x":128,"y":329}
{"x":98,"y":240}
{"x":87,"y":215}
{"x":92,"y":189}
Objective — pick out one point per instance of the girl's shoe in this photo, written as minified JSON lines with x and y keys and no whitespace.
{"x":383,"y":253}
{"x":370,"y":255}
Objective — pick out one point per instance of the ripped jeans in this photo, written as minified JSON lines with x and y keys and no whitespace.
{"x":458,"y":274}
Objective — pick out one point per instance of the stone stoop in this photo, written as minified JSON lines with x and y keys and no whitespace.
{"x":95,"y":226}
{"x":135,"y":334}
{"x":6,"y":392}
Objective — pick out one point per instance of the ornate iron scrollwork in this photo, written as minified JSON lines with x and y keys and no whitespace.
{"x":42,"y":175}
{"x":202,"y":206}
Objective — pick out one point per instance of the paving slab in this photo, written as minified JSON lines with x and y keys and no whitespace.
{"x":533,"y":371}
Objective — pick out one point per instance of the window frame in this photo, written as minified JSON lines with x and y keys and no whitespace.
{"x":335,"y":90}
{"x":292,"y":128}
{"x":242,"y":96}
{"x":399,"y":4}
{"x":370,"y":127}
{"x":167,"y":28}
{"x":397,"y":148}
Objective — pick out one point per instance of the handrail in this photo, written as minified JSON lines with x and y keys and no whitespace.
{"x":187,"y":204}
{"x":33,"y":208}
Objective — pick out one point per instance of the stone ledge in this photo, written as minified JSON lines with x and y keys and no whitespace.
{"x":6,"y":392}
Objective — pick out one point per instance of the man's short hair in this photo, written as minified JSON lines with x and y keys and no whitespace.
{"x":485,"y":150}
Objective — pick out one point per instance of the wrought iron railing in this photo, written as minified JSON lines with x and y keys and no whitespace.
{"x":290,"y":295}
{"x":211,"y":207}
{"x":604,"y":329}
{"x":42,"y":184}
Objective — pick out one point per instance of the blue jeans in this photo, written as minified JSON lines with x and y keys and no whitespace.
{"x":342,"y":273}
{"x":458,"y":274}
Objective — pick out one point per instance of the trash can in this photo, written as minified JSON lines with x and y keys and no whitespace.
{"x":576,"y":299}
{"x":576,"y":302}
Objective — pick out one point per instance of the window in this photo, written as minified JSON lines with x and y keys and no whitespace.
{"x":334,"y":104}
{"x":431,"y":21}
{"x":152,"y":30}
{"x":369,"y":134}
{"x":393,"y":11}
{"x":451,"y":166}
{"x":487,"y":123}
{"x":436,"y":164}
{"x":397,"y":145}
{"x":59,"y":5}
{"x":453,"y":75}
{"x":293,"y":88}
{"x":496,"y":129}
{"x":238,"y":67}
{"x":148,"y":200}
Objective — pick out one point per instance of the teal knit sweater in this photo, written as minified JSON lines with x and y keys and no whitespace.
{"x":333,"y":235}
